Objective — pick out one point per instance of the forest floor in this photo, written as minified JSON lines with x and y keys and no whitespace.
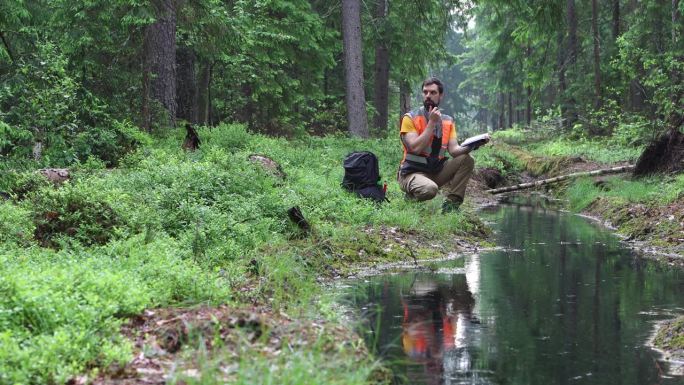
{"x":200,"y":277}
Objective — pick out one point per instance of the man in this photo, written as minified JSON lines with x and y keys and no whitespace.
{"x":426,"y":135}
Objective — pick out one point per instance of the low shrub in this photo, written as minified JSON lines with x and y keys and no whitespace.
{"x":75,"y":212}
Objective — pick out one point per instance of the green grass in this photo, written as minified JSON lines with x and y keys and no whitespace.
{"x":172,"y":228}
{"x":653,"y":190}
{"x":601,"y":151}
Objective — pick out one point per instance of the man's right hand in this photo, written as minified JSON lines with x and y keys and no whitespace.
{"x":435,"y":115}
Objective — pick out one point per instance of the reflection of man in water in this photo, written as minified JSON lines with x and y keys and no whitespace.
{"x":434,"y":322}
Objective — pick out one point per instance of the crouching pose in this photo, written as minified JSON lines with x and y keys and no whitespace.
{"x":427,"y":136}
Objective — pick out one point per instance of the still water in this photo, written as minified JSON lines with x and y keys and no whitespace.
{"x":561,"y":302}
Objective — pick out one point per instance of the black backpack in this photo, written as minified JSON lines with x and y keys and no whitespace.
{"x":362,"y":176}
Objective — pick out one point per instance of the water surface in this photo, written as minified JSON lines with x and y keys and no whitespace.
{"x":562,"y":302}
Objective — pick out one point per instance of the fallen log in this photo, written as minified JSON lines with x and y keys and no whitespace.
{"x":522,"y":186}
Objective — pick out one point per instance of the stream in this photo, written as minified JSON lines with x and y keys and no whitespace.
{"x":559,"y":301}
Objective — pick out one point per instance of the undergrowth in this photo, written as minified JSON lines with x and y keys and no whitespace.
{"x":175,"y":228}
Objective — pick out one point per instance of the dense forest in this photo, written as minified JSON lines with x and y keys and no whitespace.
{"x":82,"y":78}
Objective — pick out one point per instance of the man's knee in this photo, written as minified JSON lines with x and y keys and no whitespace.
{"x":424,"y":191}
{"x":466,"y":161}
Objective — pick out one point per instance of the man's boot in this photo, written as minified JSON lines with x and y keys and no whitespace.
{"x":451,"y":205}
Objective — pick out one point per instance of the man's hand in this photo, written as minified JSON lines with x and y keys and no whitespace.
{"x":435,"y":115}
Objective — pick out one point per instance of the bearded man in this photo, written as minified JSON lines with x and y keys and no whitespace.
{"x":427,"y":136}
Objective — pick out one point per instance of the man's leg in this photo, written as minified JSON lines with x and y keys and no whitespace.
{"x":454,"y":177}
{"x":417,"y":185}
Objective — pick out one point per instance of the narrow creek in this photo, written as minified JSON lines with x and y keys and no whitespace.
{"x":560,"y":301}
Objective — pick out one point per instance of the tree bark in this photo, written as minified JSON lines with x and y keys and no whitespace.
{"x":571,"y":60}
{"x":572,"y":32}
{"x":186,"y":95}
{"x":562,"y":86}
{"x":159,"y":47}
{"x":676,"y":27}
{"x":502,"y":112}
{"x":203,"y":93}
{"x":382,"y":71}
{"x":528,"y":114}
{"x":616,"y":19}
{"x":404,"y":97}
{"x":597,"y":53}
{"x":510,"y":109}
{"x":353,"y":65}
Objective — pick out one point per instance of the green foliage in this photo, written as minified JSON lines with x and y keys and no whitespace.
{"x":45,"y":104}
{"x":14,"y":141}
{"x":16,"y":225}
{"x":76,"y":212}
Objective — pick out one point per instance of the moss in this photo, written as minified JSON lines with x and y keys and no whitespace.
{"x":671,"y":335}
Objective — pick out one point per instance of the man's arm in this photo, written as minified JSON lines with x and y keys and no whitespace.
{"x":419,"y":143}
{"x":456,"y":150}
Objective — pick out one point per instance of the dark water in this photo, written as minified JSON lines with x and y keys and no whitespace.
{"x":561,"y":303}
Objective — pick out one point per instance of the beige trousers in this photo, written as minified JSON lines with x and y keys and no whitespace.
{"x":453,"y":179}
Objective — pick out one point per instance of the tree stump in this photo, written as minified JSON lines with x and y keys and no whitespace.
{"x":268,"y":164}
{"x":664,"y":155}
{"x":55,"y":175}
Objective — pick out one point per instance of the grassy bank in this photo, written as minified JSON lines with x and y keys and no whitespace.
{"x":649,"y":209}
{"x":169,"y":228}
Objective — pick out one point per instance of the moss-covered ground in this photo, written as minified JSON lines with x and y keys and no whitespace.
{"x":184,"y":267}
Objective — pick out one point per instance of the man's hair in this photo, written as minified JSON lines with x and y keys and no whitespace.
{"x":434,"y":80}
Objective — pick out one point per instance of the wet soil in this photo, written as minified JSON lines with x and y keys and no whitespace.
{"x":161,"y":336}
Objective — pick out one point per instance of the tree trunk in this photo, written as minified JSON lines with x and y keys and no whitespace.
{"x":404,"y":97}
{"x":382,"y":71}
{"x":562,"y":86}
{"x":676,"y":27}
{"x":522,"y":186}
{"x":502,"y":112}
{"x":616,"y":19}
{"x":159,"y":52}
{"x":597,"y":53}
{"x":510,"y":109}
{"x":571,"y":60}
{"x":528,"y":115}
{"x":353,"y":66}
{"x":572,"y":32}
{"x":186,"y":95}
{"x":203,"y":93}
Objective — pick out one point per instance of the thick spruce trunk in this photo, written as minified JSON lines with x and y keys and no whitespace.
{"x":353,"y":66}
{"x":159,"y":66}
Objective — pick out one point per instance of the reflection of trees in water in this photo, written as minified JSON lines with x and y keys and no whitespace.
{"x":435,"y":319}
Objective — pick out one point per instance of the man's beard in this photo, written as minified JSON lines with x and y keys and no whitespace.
{"x":428,"y":104}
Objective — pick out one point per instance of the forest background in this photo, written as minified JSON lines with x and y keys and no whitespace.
{"x":82,"y":78}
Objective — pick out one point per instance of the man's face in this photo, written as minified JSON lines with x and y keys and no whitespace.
{"x":431,"y":92}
